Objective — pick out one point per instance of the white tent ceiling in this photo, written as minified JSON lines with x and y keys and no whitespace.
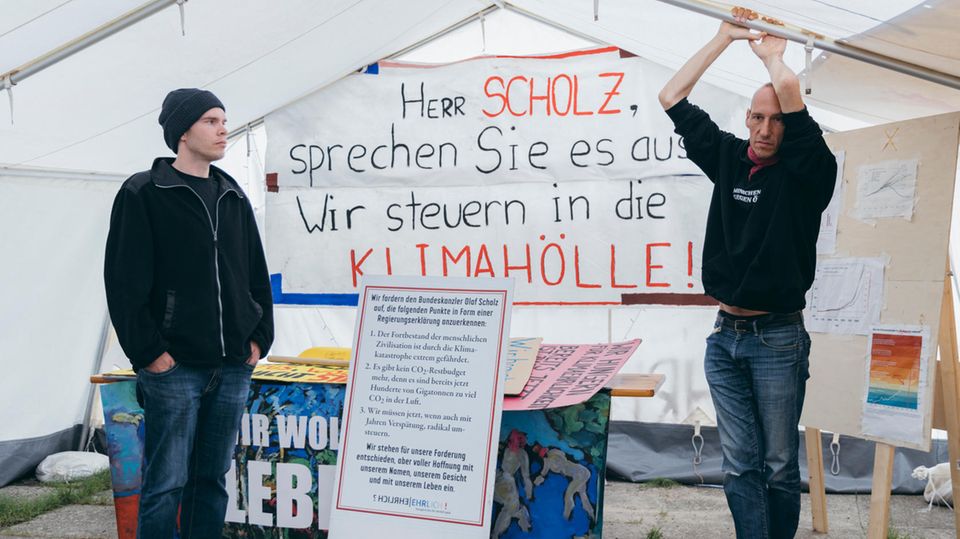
{"x":96,"y":110}
{"x":915,"y":34}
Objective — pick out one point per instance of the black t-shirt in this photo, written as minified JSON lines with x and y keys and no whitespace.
{"x":760,"y":246}
{"x":207,"y":188}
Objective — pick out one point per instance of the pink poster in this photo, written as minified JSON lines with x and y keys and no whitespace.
{"x":566,"y":374}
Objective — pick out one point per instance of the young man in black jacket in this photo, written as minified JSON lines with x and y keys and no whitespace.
{"x":759,"y":256}
{"x":189,"y":296}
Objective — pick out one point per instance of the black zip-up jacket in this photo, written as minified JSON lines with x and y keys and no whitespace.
{"x":760,"y":247}
{"x":181,"y":280}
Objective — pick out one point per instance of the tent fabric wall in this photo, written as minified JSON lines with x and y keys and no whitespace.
{"x":21,"y":457}
{"x":54,"y":308}
{"x":641,"y":452}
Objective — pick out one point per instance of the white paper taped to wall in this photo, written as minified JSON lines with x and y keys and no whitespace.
{"x":846,"y":296}
{"x":896,"y":382}
{"x":827,"y":240}
{"x":887,"y":189}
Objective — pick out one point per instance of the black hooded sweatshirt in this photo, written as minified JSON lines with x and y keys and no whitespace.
{"x":760,"y":246}
{"x":181,"y":279}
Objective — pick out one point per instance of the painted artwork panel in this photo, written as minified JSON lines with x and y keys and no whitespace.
{"x":550,"y":472}
{"x":549,"y":478}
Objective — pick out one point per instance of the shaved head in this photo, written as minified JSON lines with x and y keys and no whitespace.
{"x":765,"y":122}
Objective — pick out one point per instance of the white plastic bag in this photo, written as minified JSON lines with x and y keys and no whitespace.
{"x":939,"y":489}
{"x":70,"y":465}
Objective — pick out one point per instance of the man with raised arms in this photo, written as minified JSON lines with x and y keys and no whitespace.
{"x":759,"y":256}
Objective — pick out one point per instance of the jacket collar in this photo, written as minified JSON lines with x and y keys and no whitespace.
{"x":163,"y":175}
{"x":744,"y":153}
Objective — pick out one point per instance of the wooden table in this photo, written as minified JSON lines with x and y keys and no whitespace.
{"x":635,"y":385}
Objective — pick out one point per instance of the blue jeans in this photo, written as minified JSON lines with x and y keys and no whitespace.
{"x":757,"y":370}
{"x":192,"y":417}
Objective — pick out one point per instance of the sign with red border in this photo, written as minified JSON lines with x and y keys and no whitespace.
{"x":423,"y":405}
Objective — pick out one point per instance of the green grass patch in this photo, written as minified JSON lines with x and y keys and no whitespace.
{"x":660,"y":482}
{"x":893,"y":533}
{"x":655,"y":533}
{"x":16,"y":510}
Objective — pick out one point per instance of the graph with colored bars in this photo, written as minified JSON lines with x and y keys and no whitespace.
{"x":895,"y":362}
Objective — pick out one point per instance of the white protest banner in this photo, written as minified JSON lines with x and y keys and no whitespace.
{"x":422,"y":413}
{"x":562,"y":172}
{"x":589,"y":115}
{"x":514,"y":237}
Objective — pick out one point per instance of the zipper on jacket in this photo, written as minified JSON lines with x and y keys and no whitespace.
{"x":216,"y":265}
{"x":216,"y":252}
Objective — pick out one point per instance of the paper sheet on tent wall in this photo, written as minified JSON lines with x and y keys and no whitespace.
{"x":846,"y":296}
{"x":896,"y":382}
{"x":886,"y":189}
{"x":827,"y":239}
{"x":915,"y":253}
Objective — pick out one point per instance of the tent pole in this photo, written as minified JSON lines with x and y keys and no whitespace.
{"x":455,"y":26}
{"x":93,"y":36}
{"x":824,"y":44}
{"x":60,"y":174}
{"x":101,"y":351}
{"x":543,"y":20}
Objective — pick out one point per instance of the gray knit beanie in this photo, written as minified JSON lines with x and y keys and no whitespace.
{"x":181,"y":109}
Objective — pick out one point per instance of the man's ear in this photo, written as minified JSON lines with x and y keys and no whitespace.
{"x":746,"y":119}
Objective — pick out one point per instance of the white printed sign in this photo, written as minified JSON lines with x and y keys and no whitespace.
{"x":422,"y":414}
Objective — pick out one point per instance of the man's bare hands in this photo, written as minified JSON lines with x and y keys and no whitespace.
{"x":742,"y":14}
{"x":763,"y":44}
{"x":736,"y":31}
{"x":162,"y":364}
{"x":254,"y":353}
{"x":681,"y":84}
{"x":768,"y":48}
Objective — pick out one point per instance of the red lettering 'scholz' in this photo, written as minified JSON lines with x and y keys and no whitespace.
{"x":561,"y":95}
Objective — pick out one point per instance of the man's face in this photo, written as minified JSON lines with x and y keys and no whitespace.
{"x":765,"y":122}
{"x":207,"y":137}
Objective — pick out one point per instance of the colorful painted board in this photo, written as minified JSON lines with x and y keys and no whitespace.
{"x":295,"y":425}
{"x":550,"y":471}
{"x":549,"y":481}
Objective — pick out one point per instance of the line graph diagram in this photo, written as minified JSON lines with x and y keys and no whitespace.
{"x":846,"y":296}
{"x":887,"y":189}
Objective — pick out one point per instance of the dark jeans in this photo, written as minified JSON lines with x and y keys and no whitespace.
{"x":757,"y":370}
{"x":192,"y":417}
